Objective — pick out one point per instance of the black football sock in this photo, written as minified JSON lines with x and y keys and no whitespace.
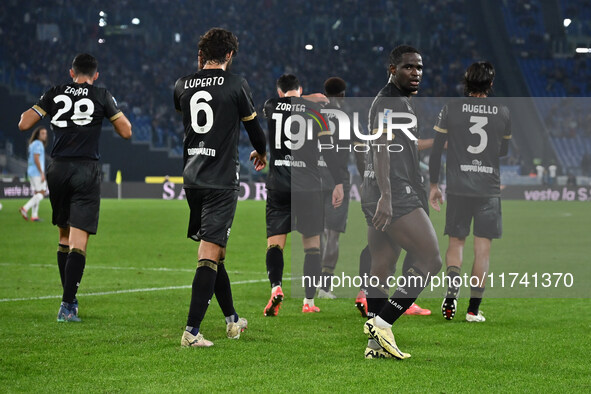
{"x":414,"y":281}
{"x":201,"y":293}
{"x":223,"y":291}
{"x":275,"y":265}
{"x":451,"y":273}
{"x":62,"y":257}
{"x":312,"y":270}
{"x":364,"y":268}
{"x":376,"y":299}
{"x":326,"y":278}
{"x":75,"y":263}
{"x":475,"y":299}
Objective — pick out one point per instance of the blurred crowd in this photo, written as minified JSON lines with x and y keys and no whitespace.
{"x":139,"y":63}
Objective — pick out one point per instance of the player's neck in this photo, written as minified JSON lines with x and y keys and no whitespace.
{"x":215,"y":66}
{"x":479,"y":95}
{"x":83,"y":79}
{"x":292,"y":93}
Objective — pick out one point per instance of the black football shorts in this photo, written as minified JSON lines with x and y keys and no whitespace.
{"x":486,"y":212}
{"x":289,"y":211}
{"x":75,"y":193}
{"x":405,"y":199}
{"x":336,"y":218}
{"x":211,"y":214}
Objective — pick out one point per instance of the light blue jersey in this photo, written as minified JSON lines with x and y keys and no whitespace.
{"x":36,"y":147}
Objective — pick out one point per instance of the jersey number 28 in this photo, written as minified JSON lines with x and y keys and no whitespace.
{"x":80,"y":117}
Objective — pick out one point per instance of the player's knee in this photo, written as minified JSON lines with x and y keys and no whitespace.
{"x":275,"y":246}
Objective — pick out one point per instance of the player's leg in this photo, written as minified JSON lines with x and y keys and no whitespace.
{"x":487,"y":226}
{"x":335,"y":224}
{"x":278,"y":218}
{"x":364,"y":273}
{"x":480,"y":270}
{"x":63,"y":249}
{"x":212,"y":213}
{"x":384,"y":256}
{"x":453,"y":261}
{"x":74,"y":270}
{"x":329,"y":262}
{"x":414,"y":309}
{"x":223,"y":294}
{"x":312,"y":271}
{"x":35,"y":183}
{"x":413,"y":232}
{"x":458,"y":218}
{"x":35,"y":209}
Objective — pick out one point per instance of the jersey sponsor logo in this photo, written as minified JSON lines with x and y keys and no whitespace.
{"x":76,"y":91}
{"x":201,"y":151}
{"x":480,"y":109}
{"x":476,"y":166}
{"x":289,"y":161}
{"x":203,"y":82}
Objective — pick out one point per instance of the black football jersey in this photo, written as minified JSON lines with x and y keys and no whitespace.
{"x":295,"y":126}
{"x":404,"y":155}
{"x":212,"y":102}
{"x":77,"y":111}
{"x":342,"y":149}
{"x":475,"y":128}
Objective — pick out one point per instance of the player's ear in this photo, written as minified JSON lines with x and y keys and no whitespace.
{"x":301,"y":90}
{"x":96,"y":75}
{"x":72,"y":74}
{"x":392,"y":69}
{"x":280,"y":93}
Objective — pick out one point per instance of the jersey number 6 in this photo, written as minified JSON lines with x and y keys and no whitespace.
{"x":196,"y":106}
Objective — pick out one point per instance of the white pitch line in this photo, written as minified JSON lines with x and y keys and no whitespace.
{"x":103,"y":267}
{"x":127,"y":291}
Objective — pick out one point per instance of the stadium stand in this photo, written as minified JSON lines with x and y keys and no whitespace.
{"x":140,"y":62}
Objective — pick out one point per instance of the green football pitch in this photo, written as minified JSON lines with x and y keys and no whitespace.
{"x":135,"y":295}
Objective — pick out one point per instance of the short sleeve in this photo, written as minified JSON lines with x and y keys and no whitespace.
{"x":380,"y":116}
{"x":37,"y":147}
{"x":112,"y":112}
{"x":507,"y":131}
{"x":441,"y":125}
{"x":176,"y":96}
{"x":43,"y":105}
{"x":245,"y":103}
{"x":268,"y":108}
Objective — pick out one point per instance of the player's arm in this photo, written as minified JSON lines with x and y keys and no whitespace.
{"x":257,"y":138}
{"x":122,"y":126}
{"x":37,"y":160}
{"x":426,"y":143}
{"x":435,"y":195}
{"x":338,"y":172}
{"x":504,"y":149}
{"x":29,"y":118}
{"x":383,"y":215}
{"x":316,"y":98}
{"x":253,"y":128}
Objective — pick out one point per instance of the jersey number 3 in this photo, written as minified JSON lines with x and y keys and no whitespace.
{"x":477,"y":128}
{"x":196,"y":106}
{"x":80,"y":117}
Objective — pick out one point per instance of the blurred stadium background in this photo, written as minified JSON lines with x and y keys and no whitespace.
{"x":540,"y":49}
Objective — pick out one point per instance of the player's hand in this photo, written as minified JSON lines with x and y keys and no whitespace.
{"x":259,"y":161}
{"x":338,"y":195}
{"x":435,"y":197}
{"x":316,"y":98}
{"x":42,"y":177}
{"x":383,"y":216}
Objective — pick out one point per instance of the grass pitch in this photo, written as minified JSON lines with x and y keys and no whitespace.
{"x":135,"y":295}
